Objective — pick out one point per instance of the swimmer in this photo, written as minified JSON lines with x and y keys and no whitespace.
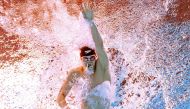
{"x":95,"y":66}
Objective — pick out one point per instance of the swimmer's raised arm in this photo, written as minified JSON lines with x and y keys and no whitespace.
{"x":88,"y":15}
{"x":67,"y":85}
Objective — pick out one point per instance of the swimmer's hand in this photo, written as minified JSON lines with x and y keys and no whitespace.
{"x":87,"y":12}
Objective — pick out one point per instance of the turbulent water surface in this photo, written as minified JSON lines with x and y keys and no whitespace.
{"x":148,"y":44}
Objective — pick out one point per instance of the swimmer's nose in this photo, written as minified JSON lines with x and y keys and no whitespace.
{"x":88,"y":59}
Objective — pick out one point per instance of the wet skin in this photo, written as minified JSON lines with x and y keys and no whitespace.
{"x":99,"y":66}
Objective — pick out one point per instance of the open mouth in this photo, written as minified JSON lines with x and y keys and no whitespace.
{"x":89,"y":65}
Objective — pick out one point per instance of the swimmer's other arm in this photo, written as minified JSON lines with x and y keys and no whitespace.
{"x":89,"y":16}
{"x":102,"y":56}
{"x":67,"y":85}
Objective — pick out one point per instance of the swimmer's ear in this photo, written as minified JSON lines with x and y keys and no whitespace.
{"x":81,"y":59}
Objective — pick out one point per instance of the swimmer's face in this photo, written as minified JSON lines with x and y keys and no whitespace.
{"x":89,"y":61}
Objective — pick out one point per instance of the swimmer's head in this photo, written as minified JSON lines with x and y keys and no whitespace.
{"x":86,"y":51}
{"x":88,"y":57}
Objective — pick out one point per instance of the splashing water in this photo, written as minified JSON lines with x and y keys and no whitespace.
{"x":147,"y":47}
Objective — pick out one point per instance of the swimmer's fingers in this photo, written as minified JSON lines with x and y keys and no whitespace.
{"x":83,"y":9}
{"x":86,"y":6}
{"x":83,"y":6}
{"x":87,"y":12}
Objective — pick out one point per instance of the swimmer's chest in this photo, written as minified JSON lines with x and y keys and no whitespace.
{"x":98,"y":76}
{"x":95,"y":79}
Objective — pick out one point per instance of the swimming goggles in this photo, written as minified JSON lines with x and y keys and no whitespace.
{"x":89,"y":58}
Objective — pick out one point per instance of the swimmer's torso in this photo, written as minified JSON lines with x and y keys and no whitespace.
{"x":100,"y":75}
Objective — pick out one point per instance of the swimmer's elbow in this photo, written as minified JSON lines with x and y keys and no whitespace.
{"x":61,"y":101}
{"x":61,"y":104}
{"x":61,"y":97}
{"x":58,"y":102}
